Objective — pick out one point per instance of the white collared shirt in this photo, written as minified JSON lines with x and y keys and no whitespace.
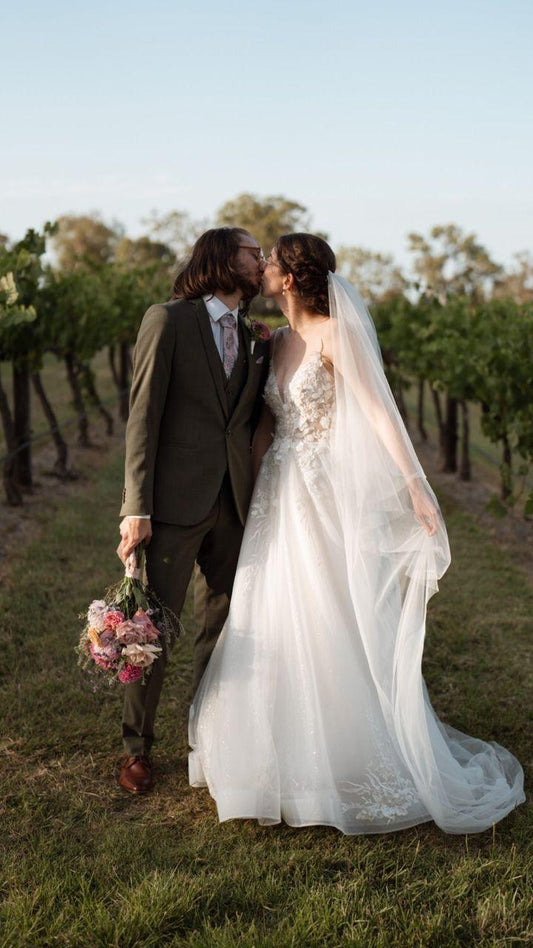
{"x":216,"y":309}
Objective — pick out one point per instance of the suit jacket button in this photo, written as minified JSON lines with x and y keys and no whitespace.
{"x":228,"y":433}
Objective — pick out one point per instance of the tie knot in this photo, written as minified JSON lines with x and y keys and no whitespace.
{"x":228,"y":321}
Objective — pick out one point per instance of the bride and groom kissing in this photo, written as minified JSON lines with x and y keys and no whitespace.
{"x":282,"y":468}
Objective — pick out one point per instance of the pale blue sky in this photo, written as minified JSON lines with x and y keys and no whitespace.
{"x":379,"y":118}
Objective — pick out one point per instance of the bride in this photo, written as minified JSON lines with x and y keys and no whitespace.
{"x":313,"y":709}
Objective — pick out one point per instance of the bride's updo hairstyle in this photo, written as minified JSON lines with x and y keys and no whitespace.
{"x":308,"y":258}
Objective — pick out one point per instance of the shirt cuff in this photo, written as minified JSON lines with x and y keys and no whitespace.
{"x":137,"y":516}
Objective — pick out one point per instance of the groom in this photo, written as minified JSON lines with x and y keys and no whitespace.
{"x":195,"y":398}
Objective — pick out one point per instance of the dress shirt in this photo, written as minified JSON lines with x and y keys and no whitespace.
{"x":216,"y":309}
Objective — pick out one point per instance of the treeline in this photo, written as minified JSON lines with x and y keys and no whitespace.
{"x":458,"y":353}
{"x":460,"y":329}
{"x":73,"y":314}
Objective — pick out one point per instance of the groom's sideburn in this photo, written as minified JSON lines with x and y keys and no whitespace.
{"x":213,"y":542}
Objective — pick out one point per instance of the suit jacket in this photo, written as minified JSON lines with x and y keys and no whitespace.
{"x":181,"y":438}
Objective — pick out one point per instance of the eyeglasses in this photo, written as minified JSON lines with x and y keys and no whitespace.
{"x":256,"y":251}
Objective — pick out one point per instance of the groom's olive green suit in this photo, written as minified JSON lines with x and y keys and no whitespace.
{"x":188,"y":465}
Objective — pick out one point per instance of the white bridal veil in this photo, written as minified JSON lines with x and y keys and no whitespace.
{"x":393,"y":568}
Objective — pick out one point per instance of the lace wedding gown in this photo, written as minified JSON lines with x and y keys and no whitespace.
{"x":287,"y":723}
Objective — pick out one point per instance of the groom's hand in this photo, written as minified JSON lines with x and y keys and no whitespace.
{"x":133,"y":530}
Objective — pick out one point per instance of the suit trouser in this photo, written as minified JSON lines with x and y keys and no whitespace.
{"x":214,"y":544}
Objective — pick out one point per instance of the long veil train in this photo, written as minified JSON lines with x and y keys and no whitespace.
{"x":393,"y":570}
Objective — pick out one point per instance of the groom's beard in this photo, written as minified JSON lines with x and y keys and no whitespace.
{"x":249,"y":288}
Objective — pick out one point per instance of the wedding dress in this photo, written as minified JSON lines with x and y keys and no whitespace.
{"x":313,"y":709}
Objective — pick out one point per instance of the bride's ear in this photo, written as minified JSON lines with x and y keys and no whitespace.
{"x":288,"y":283}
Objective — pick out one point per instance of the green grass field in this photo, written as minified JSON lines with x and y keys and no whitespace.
{"x":84,"y":864}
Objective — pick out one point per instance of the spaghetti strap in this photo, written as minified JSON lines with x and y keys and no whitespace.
{"x":274,"y":340}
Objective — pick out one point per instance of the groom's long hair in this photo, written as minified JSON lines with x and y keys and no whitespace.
{"x":212,"y":266}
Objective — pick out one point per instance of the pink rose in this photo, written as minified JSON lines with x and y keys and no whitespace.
{"x":129,"y":673}
{"x":151,"y":633}
{"x":129,"y":632}
{"x":113,"y":618}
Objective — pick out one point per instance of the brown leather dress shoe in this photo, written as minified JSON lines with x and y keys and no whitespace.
{"x":136,"y":774}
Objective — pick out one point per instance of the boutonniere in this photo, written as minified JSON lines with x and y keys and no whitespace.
{"x":258,"y":331}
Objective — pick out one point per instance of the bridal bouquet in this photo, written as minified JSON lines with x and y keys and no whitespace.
{"x":123,"y":632}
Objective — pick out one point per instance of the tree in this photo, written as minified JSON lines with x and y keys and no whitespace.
{"x":142,"y":252}
{"x":504,"y":385}
{"x":84,"y":241}
{"x":450,"y":261}
{"x":266,"y":218}
{"x":75,"y":318}
{"x":375,"y":275}
{"x":177,"y":230}
{"x":130,"y":291}
{"x":14,"y":320}
{"x":517,"y":283}
{"x":19,"y":342}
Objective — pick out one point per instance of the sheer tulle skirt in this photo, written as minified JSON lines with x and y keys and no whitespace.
{"x":288,"y":722}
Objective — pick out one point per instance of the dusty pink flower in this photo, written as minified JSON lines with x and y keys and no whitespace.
{"x":111,"y":650}
{"x":150,"y":632}
{"x":101,"y":660}
{"x":139,"y":629}
{"x":130,"y":632}
{"x":113,"y":618}
{"x":107,"y":637}
{"x":129,"y":673}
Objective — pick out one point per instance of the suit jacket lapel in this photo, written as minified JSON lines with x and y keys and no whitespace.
{"x":211,"y":351}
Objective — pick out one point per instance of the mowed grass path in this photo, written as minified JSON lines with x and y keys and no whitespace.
{"x":85,"y":864}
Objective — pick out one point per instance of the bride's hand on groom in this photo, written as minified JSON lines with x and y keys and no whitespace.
{"x":133,"y":530}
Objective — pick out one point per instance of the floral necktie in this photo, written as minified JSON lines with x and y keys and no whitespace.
{"x":229,"y":323}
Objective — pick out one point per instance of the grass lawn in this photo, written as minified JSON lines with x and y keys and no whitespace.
{"x":84,"y":864}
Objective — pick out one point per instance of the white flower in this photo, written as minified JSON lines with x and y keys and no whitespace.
{"x":96,"y":614}
{"x":141,"y":655}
